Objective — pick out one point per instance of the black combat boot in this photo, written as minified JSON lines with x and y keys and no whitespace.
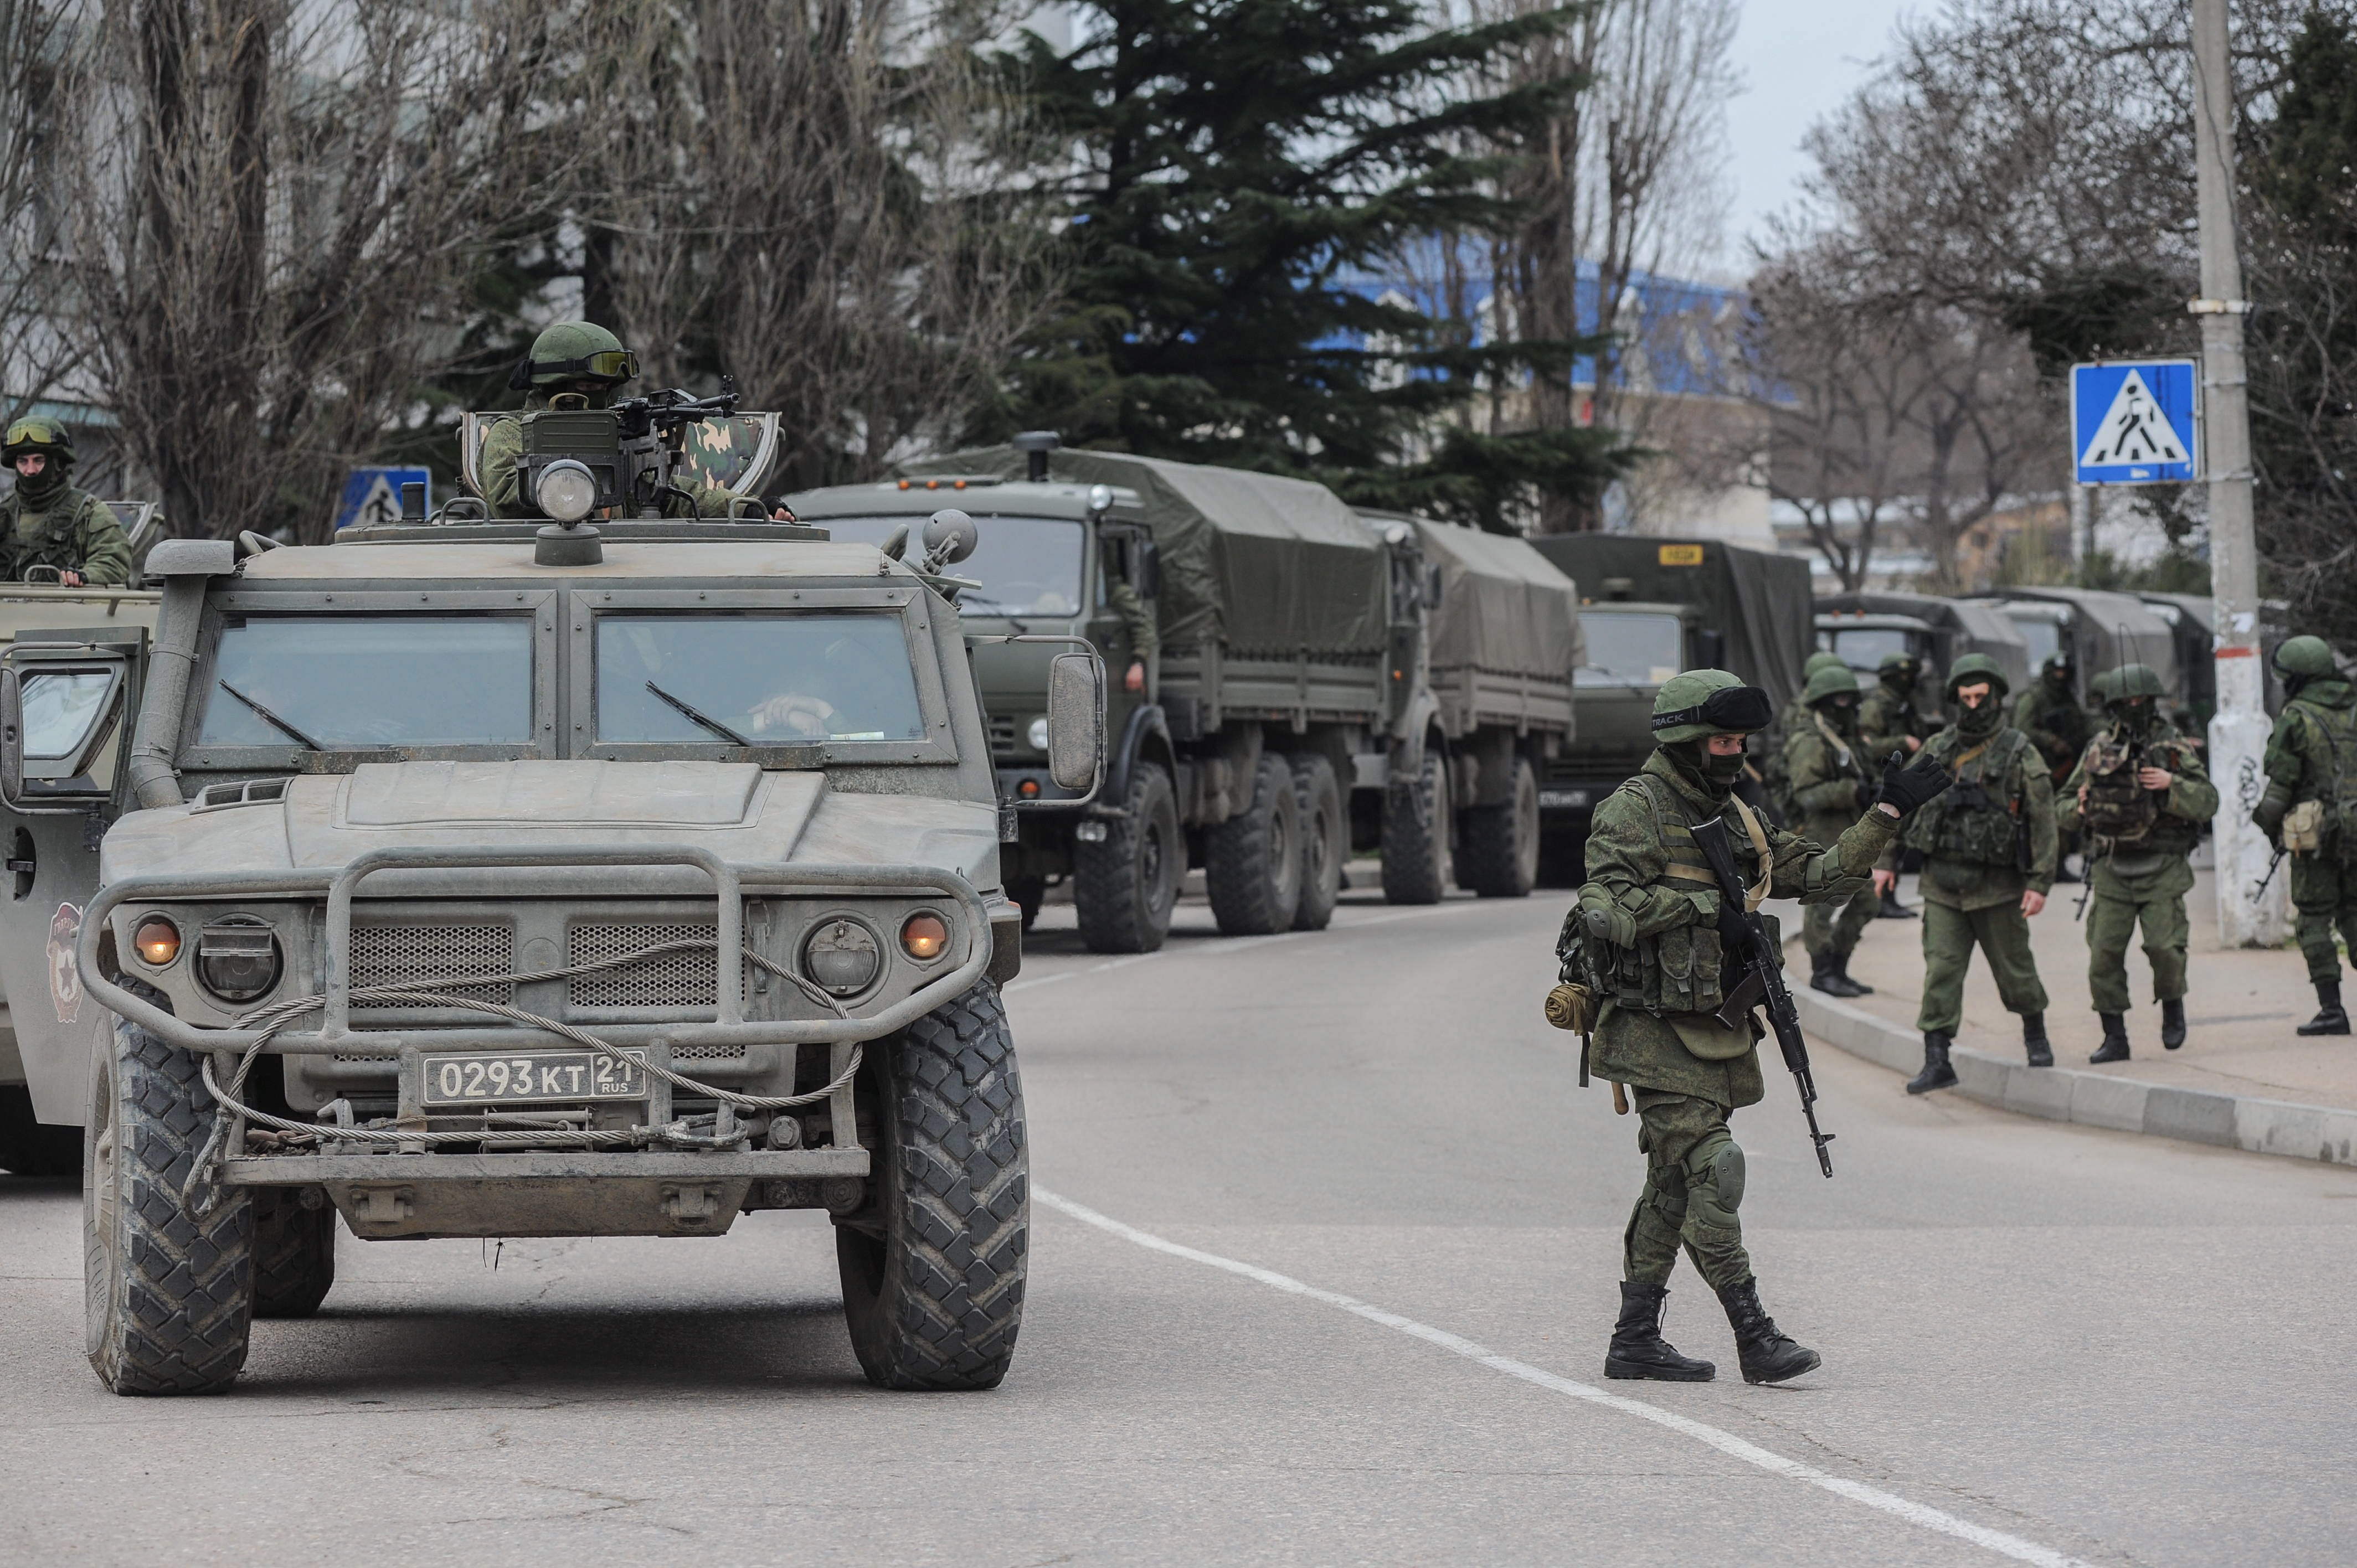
{"x":1892,"y":910}
{"x":1936,"y":1073}
{"x":1841,"y":973}
{"x":2329,"y":1019}
{"x":1766,"y":1354}
{"x":2114,"y":1047}
{"x":2172,"y":1024}
{"x":1826,"y":974}
{"x":1637,"y":1348}
{"x":2033,"y":1039}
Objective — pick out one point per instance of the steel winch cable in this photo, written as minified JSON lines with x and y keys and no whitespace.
{"x":275,"y":1018}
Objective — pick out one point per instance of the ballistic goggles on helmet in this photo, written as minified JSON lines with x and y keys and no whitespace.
{"x":1725,"y":711}
{"x":607,"y":365}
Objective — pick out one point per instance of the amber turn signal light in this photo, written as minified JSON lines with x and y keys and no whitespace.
{"x":158,"y":941}
{"x":925,"y":937}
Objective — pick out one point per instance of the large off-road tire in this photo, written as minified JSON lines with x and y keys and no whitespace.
{"x":1126,"y":884}
{"x":933,"y":1265}
{"x":1253,"y":860}
{"x":1415,"y":832}
{"x":294,"y":1253}
{"x":167,"y":1278}
{"x":31,"y":1147}
{"x":1325,"y":840}
{"x":1500,"y":856}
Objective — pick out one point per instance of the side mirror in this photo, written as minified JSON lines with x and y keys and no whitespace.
{"x":1710,"y":648}
{"x":1076,"y":720}
{"x":11,"y":736}
{"x":950,"y":537}
{"x":1145,"y":570}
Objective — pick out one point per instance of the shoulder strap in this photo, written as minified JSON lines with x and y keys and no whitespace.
{"x":1755,"y":895}
{"x":1841,"y":751}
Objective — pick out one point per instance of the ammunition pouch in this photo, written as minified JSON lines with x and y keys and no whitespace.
{"x":2303,"y":827}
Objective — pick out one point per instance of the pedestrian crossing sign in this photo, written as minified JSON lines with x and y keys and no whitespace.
{"x":2136,"y":422}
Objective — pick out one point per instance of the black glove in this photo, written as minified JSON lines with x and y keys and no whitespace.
{"x":1906,"y":785}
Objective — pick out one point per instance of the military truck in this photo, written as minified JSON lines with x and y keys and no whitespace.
{"x":1326,"y":683}
{"x":1650,"y":607}
{"x":514,"y":879}
{"x":1863,"y":627}
{"x":2098,"y":628}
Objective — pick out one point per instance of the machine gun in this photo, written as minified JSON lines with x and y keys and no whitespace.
{"x":1762,"y":980}
{"x":625,"y":459}
{"x":2274,"y":861}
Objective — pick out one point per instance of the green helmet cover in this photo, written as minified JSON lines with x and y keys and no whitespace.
{"x":1825,"y":658}
{"x":2127,"y":683}
{"x":1974,"y":667}
{"x":45,"y":436}
{"x":1829,"y":682}
{"x":1703,"y":703}
{"x":1906,"y":662}
{"x":2303,"y":656}
{"x":572,"y":351}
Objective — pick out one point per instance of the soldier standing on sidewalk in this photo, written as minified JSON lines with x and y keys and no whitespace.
{"x":1988,"y":861}
{"x":2141,"y":794}
{"x":1888,"y":720}
{"x":1825,"y":777}
{"x":2311,"y":810}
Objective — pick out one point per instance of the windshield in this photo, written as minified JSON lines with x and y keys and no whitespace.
{"x":2043,"y":635}
{"x":332,"y":681}
{"x":1027,"y":565}
{"x":1628,"y":650}
{"x":753,"y":679}
{"x":61,"y":709}
{"x":1864,"y":647}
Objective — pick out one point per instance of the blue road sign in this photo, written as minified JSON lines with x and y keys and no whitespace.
{"x":374,"y":495}
{"x":2136,"y":422}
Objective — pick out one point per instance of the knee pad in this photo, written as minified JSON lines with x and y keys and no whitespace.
{"x":1714,"y":1180}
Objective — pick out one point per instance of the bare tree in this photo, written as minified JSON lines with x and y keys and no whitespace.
{"x":274,"y":208}
{"x":37,"y":287}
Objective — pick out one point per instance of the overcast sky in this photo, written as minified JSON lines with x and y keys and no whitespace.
{"x":1800,"y":59}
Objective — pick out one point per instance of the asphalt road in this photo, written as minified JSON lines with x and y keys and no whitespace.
{"x":2042,"y":1343}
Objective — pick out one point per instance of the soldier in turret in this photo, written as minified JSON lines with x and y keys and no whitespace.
{"x":1827,"y":780}
{"x":1650,"y":922}
{"x":1988,"y":862}
{"x":47,"y":520}
{"x":577,"y":363}
{"x":2311,"y":810}
{"x":2141,"y":795}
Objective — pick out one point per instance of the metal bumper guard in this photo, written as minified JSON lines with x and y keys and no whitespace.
{"x":335,"y":1035}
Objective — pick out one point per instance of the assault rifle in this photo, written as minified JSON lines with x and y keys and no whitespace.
{"x":2270,"y":876}
{"x":1762,"y":979}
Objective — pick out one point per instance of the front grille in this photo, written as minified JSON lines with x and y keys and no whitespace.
{"x":680,"y":979}
{"x":1002,"y":735}
{"x":399,"y":954}
{"x":706,"y":1054}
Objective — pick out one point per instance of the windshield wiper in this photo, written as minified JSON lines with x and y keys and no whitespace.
{"x":306,"y":741}
{"x":706,"y":720}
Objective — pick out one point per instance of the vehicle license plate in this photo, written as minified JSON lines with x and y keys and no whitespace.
{"x":1560,"y":798}
{"x":531,"y":1077}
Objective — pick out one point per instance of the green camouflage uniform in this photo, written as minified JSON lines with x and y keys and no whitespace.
{"x":2300,"y":767}
{"x":1137,"y":622}
{"x":501,"y":464}
{"x":1660,"y":979}
{"x":1886,"y":717}
{"x":1972,"y":883}
{"x":62,"y":526}
{"x":2051,"y":716}
{"x":2144,"y":881}
{"x":1827,"y":780}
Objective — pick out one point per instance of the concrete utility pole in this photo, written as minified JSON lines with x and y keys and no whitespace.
{"x":2238,"y":733}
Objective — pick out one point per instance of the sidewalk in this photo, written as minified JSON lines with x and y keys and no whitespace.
{"x":2243,"y":1079}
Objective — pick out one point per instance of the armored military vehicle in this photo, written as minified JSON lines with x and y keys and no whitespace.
{"x":1326,"y":682}
{"x":514,"y":879}
{"x":1650,"y":607}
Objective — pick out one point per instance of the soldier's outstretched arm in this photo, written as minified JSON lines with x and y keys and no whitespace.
{"x":1816,"y":875}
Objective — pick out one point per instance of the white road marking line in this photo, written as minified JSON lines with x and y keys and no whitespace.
{"x":1236,"y":944}
{"x":1726,"y":1443}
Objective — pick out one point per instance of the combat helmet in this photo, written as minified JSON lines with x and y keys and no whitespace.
{"x":1831,"y":682}
{"x":573,"y":352}
{"x":1902,"y":661}
{"x":1703,"y":703}
{"x":2129,"y":683}
{"x":1824,"y":659}
{"x":1974,"y":667}
{"x":2299,"y":658}
{"x":45,"y":436}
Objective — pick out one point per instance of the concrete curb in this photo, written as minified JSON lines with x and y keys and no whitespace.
{"x":2094,"y":1098}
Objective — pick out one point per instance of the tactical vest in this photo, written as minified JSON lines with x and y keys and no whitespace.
{"x":2118,"y":810}
{"x":1973,"y":821}
{"x":1680,"y":970}
{"x":2338,"y":729}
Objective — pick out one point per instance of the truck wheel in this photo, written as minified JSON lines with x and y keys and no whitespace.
{"x":1415,"y":832}
{"x":1325,"y":840}
{"x":1253,"y":860}
{"x":168,"y":1282}
{"x":1126,"y":884}
{"x":932,"y":1267}
{"x":30,"y":1147}
{"x":1501,"y":858}
{"x":294,"y":1253}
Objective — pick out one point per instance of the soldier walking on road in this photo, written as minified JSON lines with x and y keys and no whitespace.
{"x":2050,"y":714}
{"x":1826,"y":775}
{"x":2141,"y":794}
{"x":1988,"y":862}
{"x":1888,"y":721}
{"x":2310,"y":810}
{"x":1648,"y":923}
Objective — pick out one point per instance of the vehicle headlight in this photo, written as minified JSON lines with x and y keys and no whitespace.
{"x":842,"y":956}
{"x":237,"y":958}
{"x":157,"y":941}
{"x":567,"y":490}
{"x":924,"y":936}
{"x":1038,"y":733}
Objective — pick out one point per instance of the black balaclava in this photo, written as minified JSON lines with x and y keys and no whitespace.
{"x":1714,"y":776}
{"x":2135,"y":714}
{"x":39,"y":489}
{"x":1841,"y":711}
{"x":1979,"y":723}
{"x":1900,"y":679}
